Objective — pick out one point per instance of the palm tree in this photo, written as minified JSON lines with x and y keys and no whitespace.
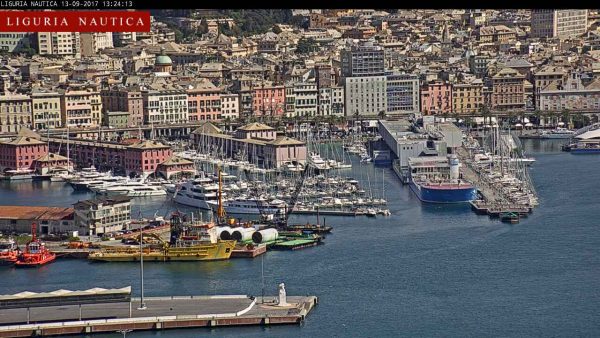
{"x":538,"y":115}
{"x":565,"y":117}
{"x":381,"y":115}
{"x":485,"y":112}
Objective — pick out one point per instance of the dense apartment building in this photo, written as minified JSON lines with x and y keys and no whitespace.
{"x":436,"y":98}
{"x":15,"y":113}
{"x":164,"y":105}
{"x":324,"y":75}
{"x":558,"y":23}
{"x":91,"y":43}
{"x":204,"y":101}
{"x":46,"y":110}
{"x":546,"y":76}
{"x":59,"y":43}
{"x":402,"y":92}
{"x":268,"y":100}
{"x":123,"y":38}
{"x":365,"y":95}
{"x":508,"y":89}
{"x":467,"y":98}
{"x":305,"y":96}
{"x":11,"y":42}
{"x":331,"y":101}
{"x":499,"y":33}
{"x":81,"y":108}
{"x":365,"y":59}
{"x":121,"y":99}
{"x":230,"y":106}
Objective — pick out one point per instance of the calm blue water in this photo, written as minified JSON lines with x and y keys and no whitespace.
{"x":425,"y":271}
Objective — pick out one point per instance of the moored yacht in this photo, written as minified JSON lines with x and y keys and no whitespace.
{"x":197,"y":193}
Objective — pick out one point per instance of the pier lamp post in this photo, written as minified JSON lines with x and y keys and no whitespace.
{"x":142,"y":303}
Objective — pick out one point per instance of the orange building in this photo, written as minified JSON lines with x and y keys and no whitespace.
{"x":204,"y":101}
{"x":269,"y":101}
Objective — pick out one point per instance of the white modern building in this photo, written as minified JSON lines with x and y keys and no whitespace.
{"x":560,"y":23}
{"x":365,"y":95}
{"x":402,"y":92}
{"x":59,"y":43}
{"x":99,"y":216}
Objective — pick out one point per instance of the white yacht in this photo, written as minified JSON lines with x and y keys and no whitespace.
{"x":255,"y":206}
{"x":558,"y":133}
{"x":314,"y":160}
{"x":197,"y":193}
{"x":133,"y":189}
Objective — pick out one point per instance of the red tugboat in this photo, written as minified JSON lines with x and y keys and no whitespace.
{"x":35,"y":253}
{"x":9,"y":252}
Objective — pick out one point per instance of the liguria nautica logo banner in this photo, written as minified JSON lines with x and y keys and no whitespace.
{"x":74,"y":21}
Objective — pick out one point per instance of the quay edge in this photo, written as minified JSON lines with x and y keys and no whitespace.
{"x":257,"y":313}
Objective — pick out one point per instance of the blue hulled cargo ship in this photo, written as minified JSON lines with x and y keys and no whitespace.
{"x":436,"y":179}
{"x":444,"y":192}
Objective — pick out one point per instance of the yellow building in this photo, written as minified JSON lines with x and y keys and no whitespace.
{"x":15,"y":113}
{"x":46,"y":110}
{"x":467,"y":98}
{"x":81,"y":108}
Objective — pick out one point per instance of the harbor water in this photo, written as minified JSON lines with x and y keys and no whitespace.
{"x":427,"y":270}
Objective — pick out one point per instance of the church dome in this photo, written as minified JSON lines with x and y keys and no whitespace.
{"x":163,"y":59}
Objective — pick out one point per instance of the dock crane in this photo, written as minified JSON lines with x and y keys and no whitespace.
{"x":295,"y":196}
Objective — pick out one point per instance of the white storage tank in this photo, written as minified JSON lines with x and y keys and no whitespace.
{"x":454,"y":167}
{"x":265,"y":235}
{"x":224,"y":233}
{"x":242,"y":234}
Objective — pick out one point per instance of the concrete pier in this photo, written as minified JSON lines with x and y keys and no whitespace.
{"x":161,"y":313}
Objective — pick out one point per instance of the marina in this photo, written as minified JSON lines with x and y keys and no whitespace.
{"x":455,"y":232}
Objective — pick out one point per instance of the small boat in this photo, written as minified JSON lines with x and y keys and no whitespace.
{"x":36,"y":253}
{"x":509,"y":217}
{"x":9,"y":252}
{"x":371,"y":212}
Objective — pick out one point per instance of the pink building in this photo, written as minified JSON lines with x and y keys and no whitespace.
{"x":143,"y":158}
{"x":268,"y":101}
{"x":256,"y":142}
{"x":20,"y":153}
{"x":204,"y":102}
{"x":436,"y":98}
{"x":176,"y":166}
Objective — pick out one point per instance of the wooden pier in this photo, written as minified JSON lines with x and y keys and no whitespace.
{"x":162,"y":313}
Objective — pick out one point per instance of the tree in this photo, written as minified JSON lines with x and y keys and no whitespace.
{"x":485,"y":112}
{"x":276,"y":29}
{"x":381,"y":114}
{"x":203,"y":27}
{"x":565,"y":116}
{"x":538,"y":116}
{"x":306,"y":46}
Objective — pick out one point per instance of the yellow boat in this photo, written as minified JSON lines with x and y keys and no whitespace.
{"x":195,"y":241}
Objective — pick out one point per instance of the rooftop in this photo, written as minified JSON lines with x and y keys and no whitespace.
{"x":35,"y":213}
{"x":104,"y":201}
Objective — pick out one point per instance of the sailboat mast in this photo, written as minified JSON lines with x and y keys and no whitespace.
{"x":220,"y":209}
